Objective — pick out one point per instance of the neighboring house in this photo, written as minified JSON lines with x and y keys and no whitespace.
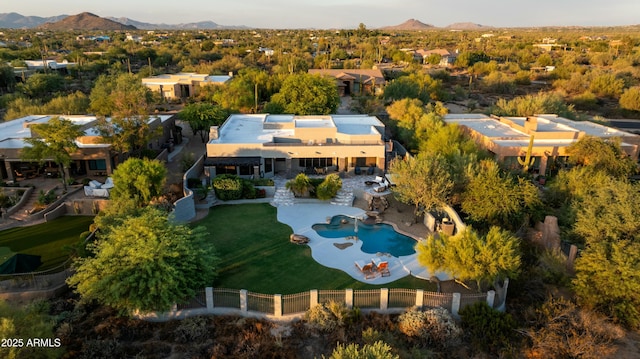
{"x":355,"y":81}
{"x":50,"y":64}
{"x":93,"y":157}
{"x":508,"y":137}
{"x":264,"y":145}
{"x":182,"y":85}
{"x":447,"y":58}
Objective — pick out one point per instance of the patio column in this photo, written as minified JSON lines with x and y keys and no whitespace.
{"x":384,"y":298}
{"x":455,"y":305}
{"x":419,"y":298}
{"x":10,"y":174}
{"x":313,"y":298}
{"x":209,"y":297}
{"x":277,"y":305}
{"x":243,"y":300}
{"x":348,"y":298}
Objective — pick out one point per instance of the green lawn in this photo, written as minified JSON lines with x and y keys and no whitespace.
{"x":256,"y":255}
{"x":47,"y":239}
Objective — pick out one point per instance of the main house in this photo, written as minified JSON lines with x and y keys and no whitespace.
{"x":182,"y":85}
{"x":92,"y":158}
{"x":264,"y":145}
{"x":508,"y":137}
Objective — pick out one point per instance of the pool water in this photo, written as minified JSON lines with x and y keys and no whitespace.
{"x":376,"y":238}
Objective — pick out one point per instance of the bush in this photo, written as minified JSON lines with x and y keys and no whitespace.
{"x":560,"y":329}
{"x":248,"y":190}
{"x":263,"y":182}
{"x":378,"y":350}
{"x":489,"y":329}
{"x":329,"y":316}
{"x":46,"y":198}
{"x":329,"y":187}
{"x":194,"y":329}
{"x":300,"y":185}
{"x":435,"y":325}
{"x":227,"y":187}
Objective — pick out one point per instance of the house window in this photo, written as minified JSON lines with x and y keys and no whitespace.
{"x":97,"y":165}
{"x":226,"y":170}
{"x":245,"y":170}
{"x":268,"y":165}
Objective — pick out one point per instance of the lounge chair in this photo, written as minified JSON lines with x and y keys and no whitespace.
{"x":366,"y":269}
{"x":380,"y":266}
{"x":357,"y":170}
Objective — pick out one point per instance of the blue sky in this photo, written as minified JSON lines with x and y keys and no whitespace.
{"x":347,"y":13}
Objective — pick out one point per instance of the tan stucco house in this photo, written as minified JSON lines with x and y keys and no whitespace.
{"x":508,"y":137}
{"x":182,"y":85}
{"x":264,"y":145}
{"x":93,"y":157}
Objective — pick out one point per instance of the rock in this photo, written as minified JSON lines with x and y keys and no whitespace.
{"x":298,"y":239}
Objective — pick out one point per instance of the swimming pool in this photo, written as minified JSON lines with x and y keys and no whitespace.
{"x":376,"y":238}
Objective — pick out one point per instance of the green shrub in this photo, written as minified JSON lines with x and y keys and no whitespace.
{"x":248,"y":190}
{"x":263,"y":182}
{"x":45,"y":198}
{"x":227,"y":187}
{"x":435,"y":325}
{"x":377,"y":350}
{"x":300,"y":186}
{"x":490,"y":330}
{"x":329,"y":187}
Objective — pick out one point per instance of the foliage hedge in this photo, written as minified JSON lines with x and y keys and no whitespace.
{"x":230,"y":187}
{"x":227,"y":187}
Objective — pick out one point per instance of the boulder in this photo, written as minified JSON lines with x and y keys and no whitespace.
{"x":298,"y":239}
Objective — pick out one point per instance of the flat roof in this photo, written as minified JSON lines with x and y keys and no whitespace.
{"x":241,"y":128}
{"x":487,"y":126}
{"x":13,"y":132}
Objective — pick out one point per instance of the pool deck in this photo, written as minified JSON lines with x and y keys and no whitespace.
{"x":300,"y":217}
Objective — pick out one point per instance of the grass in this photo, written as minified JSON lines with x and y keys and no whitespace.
{"x":46,"y":240}
{"x":256,"y":255}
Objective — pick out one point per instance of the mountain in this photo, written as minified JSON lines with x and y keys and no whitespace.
{"x":85,"y":21}
{"x":411,"y":24}
{"x":203,"y":25}
{"x":467,"y":26}
{"x":14,"y":20}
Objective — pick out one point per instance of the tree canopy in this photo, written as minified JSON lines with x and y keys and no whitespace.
{"x":495,"y":197}
{"x":601,"y":155}
{"x":471,"y":256}
{"x":127,"y":102}
{"x":146,"y":264}
{"x":54,"y":140}
{"x":201,"y":116}
{"x":306,"y":94}
{"x":423,"y":181}
{"x":139,"y":180}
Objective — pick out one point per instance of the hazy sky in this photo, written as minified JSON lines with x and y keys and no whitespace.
{"x":346,"y":13}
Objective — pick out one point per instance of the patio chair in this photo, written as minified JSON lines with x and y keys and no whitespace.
{"x":366,"y":269}
{"x":357,"y":170}
{"x":380,"y":266}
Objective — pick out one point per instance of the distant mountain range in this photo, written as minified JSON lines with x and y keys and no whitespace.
{"x":415,"y":25}
{"x":85,"y":21}
{"x":88,"y":21}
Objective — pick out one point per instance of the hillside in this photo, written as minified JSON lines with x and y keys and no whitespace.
{"x":14,"y":20}
{"x":410,"y":25}
{"x":207,"y":25}
{"x":86,"y":21}
{"x":467,"y":26}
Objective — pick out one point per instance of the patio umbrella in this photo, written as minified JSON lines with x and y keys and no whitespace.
{"x":11,"y":262}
